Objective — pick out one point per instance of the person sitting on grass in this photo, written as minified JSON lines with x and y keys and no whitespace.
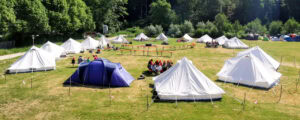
{"x":80,"y":59}
{"x":149,"y":66}
{"x":98,"y":51}
{"x":164,"y":66}
{"x":88,"y":59}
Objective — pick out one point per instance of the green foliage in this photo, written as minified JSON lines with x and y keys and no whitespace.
{"x":187,"y":28}
{"x":222,"y":23}
{"x":174,"y":30}
{"x":256,"y":27}
{"x":291,"y":26}
{"x":275,"y":27}
{"x":7,"y":16}
{"x":206,"y":28}
{"x":161,"y":13}
{"x":153,"y":31}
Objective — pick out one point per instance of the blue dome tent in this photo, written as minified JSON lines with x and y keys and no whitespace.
{"x":101,"y":72}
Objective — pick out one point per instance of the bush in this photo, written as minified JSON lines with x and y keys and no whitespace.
{"x":174,"y":31}
{"x":200,"y":32}
{"x":291,"y":26}
{"x":159,"y":29}
{"x":275,"y":27}
{"x":187,"y":28}
{"x":153,"y":31}
{"x":256,"y":27}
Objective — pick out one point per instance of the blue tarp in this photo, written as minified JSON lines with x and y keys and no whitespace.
{"x":295,"y":39}
{"x":101,"y":72}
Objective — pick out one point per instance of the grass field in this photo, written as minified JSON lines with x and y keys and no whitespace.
{"x":49,"y":99}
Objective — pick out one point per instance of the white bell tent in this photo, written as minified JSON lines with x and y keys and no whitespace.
{"x":141,"y":37}
{"x":120,"y":40}
{"x":162,"y":37}
{"x":221,"y":40}
{"x":262,"y":56}
{"x":103,"y":41}
{"x":89,"y":43}
{"x":185,"y":82}
{"x":250,"y":71}
{"x":186,"y":38}
{"x":35,"y":59}
{"x":235,"y":43}
{"x":71,"y":46}
{"x":54,"y":49}
{"x":204,"y":39}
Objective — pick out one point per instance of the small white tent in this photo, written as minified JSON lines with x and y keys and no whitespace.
{"x":120,"y":40}
{"x":186,"y":38}
{"x":185,"y":82}
{"x":72,"y":46}
{"x":89,"y":43}
{"x":262,"y":56}
{"x":103,"y":41}
{"x":235,"y":43}
{"x":221,"y":40}
{"x":162,"y":37}
{"x":141,"y":37}
{"x":205,"y":38}
{"x":54,"y":49}
{"x":35,"y":59}
{"x":248,"y":70}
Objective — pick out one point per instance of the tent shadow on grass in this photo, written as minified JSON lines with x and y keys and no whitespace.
{"x":90,"y":86}
{"x":248,"y":86}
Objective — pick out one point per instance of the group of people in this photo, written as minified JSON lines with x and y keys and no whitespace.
{"x":159,"y":66}
{"x":213,"y":44}
{"x":83,"y":60}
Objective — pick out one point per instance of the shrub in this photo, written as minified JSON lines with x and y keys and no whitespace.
{"x":275,"y":27}
{"x":291,"y":26}
{"x":187,"y":27}
{"x":153,"y":31}
{"x":174,"y":31}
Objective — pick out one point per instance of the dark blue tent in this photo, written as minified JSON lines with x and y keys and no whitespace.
{"x":101,"y":72}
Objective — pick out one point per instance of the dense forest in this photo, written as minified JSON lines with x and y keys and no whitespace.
{"x":19,"y":19}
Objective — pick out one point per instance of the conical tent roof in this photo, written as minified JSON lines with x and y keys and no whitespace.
{"x":162,"y":36}
{"x":185,"y":82}
{"x":248,"y":70}
{"x":186,"y":38}
{"x":204,"y":39}
{"x":54,"y":49}
{"x":262,"y":56}
{"x":120,"y":40}
{"x":235,"y":43}
{"x":35,"y":59}
{"x":89,"y":43}
{"x":103,"y":41}
{"x":221,"y":40}
{"x":72,"y":46}
{"x":140,"y":37}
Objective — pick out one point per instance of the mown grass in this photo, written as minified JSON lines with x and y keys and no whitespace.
{"x":49,"y":99}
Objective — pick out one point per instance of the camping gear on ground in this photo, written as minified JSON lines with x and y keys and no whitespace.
{"x":185,"y":82}
{"x":120,"y":40}
{"x":89,"y":43}
{"x":212,"y":44}
{"x":162,"y":37}
{"x":266,"y":59}
{"x":55,"y":50}
{"x":204,"y":39}
{"x":235,"y":43}
{"x":266,"y":38}
{"x":250,"y":71}
{"x":275,"y":39}
{"x":101,"y":72}
{"x":185,"y":38}
{"x":284,"y":37}
{"x":35,"y":59}
{"x":141,"y":37}
{"x":71,"y":46}
{"x":221,"y":40}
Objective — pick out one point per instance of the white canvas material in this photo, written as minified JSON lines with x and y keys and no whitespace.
{"x":103,"y":41}
{"x":35,"y":59}
{"x":186,"y":38}
{"x":235,"y":43}
{"x":185,"y":82}
{"x":162,"y":37}
{"x":262,"y":56}
{"x":120,"y":40}
{"x":221,"y":40}
{"x":53,"y":49}
{"x":141,"y":37}
{"x":248,"y":70}
{"x":71,"y":46}
{"x":204,"y":39}
{"x":89,"y":43}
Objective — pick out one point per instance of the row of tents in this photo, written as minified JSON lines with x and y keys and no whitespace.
{"x":252,"y":67}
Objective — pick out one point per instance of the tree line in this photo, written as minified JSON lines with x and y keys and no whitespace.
{"x":19,"y":19}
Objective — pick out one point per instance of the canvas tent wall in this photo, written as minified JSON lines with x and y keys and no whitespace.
{"x":162,"y":37}
{"x":54,"y":49}
{"x":221,"y":40}
{"x":235,"y":43}
{"x":89,"y":43}
{"x":262,"y":56}
{"x":250,"y":71}
{"x":204,"y":39}
{"x":185,"y":82}
{"x":186,"y":38}
{"x":35,"y":59}
{"x":120,"y":40}
{"x":141,"y":37}
{"x":71,"y":46}
{"x":103,"y":41}
{"x":101,"y":72}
